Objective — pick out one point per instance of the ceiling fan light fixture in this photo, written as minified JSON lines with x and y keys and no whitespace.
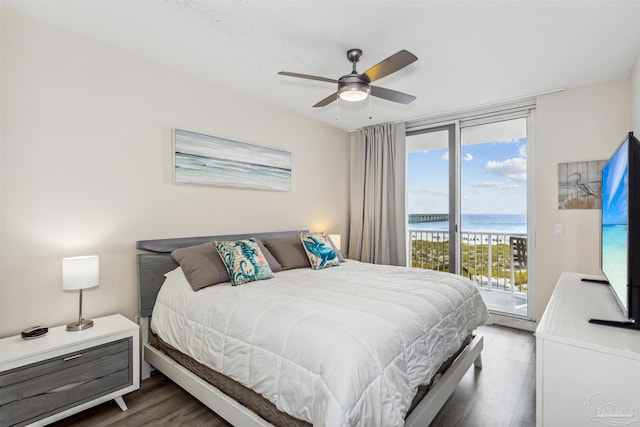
{"x":355,"y":87}
{"x":353,"y":93}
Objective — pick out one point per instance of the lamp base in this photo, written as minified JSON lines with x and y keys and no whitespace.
{"x":84,"y":324}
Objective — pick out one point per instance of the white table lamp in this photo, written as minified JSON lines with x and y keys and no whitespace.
{"x":80,"y":272}
{"x":335,"y":238}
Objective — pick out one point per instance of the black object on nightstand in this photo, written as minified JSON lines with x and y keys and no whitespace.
{"x":34,"y":332}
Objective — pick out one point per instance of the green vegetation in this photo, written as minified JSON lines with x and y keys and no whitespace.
{"x":475,"y":266}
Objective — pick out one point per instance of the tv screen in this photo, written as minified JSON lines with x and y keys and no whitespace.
{"x":620,"y":228}
{"x":615,"y":221}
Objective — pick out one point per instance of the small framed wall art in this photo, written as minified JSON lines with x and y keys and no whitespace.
{"x":580,"y":185}
{"x":209,"y":160}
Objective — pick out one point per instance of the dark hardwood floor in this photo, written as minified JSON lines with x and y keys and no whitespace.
{"x":502,"y":393}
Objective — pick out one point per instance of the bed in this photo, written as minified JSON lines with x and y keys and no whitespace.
{"x":355,"y":344}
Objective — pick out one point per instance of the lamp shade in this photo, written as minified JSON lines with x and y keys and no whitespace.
{"x":335,"y":238}
{"x":80,"y":272}
{"x":353,"y":93}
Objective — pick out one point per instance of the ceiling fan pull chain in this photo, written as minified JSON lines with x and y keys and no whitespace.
{"x":337,"y":107}
{"x":370,"y":105}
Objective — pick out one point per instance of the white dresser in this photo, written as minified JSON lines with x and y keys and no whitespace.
{"x":586,"y":375}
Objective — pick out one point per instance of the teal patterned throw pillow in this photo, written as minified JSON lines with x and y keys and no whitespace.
{"x":319,"y":250}
{"x":244,"y":261}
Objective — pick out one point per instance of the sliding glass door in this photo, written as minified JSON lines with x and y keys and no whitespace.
{"x":429,"y":182}
{"x":467,"y":202}
{"x":493,"y":206}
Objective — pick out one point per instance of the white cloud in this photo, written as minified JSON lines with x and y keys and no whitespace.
{"x":522,"y":150}
{"x":468,"y":157}
{"x":428,"y":200}
{"x":432,"y":191}
{"x":514,"y":169}
{"x":494,"y":184}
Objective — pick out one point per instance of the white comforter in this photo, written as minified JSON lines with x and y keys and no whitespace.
{"x":342,"y":346}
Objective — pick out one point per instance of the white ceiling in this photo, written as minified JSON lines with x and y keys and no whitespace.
{"x":470,"y":53}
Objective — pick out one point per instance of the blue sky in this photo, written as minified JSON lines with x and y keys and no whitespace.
{"x":615,"y":207}
{"x":493,"y":178}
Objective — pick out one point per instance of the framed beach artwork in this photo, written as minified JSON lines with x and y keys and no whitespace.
{"x":580,"y":184}
{"x":209,"y":160}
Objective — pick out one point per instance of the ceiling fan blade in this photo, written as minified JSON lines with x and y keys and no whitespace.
{"x":328,"y":100}
{"x":307,"y":76}
{"x":391,"y":95}
{"x":390,"y":65}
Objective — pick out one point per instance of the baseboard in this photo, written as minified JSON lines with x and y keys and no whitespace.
{"x":513,"y":322}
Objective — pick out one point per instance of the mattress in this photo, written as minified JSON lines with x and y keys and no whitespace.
{"x":261,"y":406}
{"x":342,"y":346}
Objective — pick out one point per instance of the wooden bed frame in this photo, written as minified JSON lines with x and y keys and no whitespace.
{"x":151,"y":269}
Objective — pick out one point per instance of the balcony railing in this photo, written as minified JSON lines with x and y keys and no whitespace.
{"x":491,"y":260}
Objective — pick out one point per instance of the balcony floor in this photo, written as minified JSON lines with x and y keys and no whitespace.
{"x":504,"y":302}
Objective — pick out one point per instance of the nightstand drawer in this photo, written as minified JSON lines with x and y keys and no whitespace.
{"x":41,"y":389}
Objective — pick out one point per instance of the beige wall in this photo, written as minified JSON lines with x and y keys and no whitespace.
{"x":85,"y":143}
{"x":635,"y":97}
{"x":578,"y":124}
{"x":85,"y":168}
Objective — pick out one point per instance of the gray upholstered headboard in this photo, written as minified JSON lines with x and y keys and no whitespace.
{"x":152,"y":266}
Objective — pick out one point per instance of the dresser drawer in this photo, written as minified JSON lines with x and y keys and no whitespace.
{"x":36,"y":391}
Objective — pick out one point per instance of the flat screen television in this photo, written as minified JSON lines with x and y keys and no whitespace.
{"x":620,"y":229}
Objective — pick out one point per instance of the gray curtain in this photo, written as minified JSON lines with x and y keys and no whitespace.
{"x":378,"y":209}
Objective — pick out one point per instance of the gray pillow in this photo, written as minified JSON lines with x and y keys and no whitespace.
{"x":202,"y":265}
{"x":271,"y":260}
{"x":288,"y":251}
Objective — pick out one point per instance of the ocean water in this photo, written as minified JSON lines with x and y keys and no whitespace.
{"x":614,"y":258}
{"x":481,"y":223}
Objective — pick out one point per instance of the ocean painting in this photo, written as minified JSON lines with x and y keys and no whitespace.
{"x":209,"y":160}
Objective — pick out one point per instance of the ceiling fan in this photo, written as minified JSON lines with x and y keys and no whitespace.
{"x":356,"y":87}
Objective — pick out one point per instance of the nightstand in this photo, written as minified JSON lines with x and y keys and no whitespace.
{"x":49,"y":378}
